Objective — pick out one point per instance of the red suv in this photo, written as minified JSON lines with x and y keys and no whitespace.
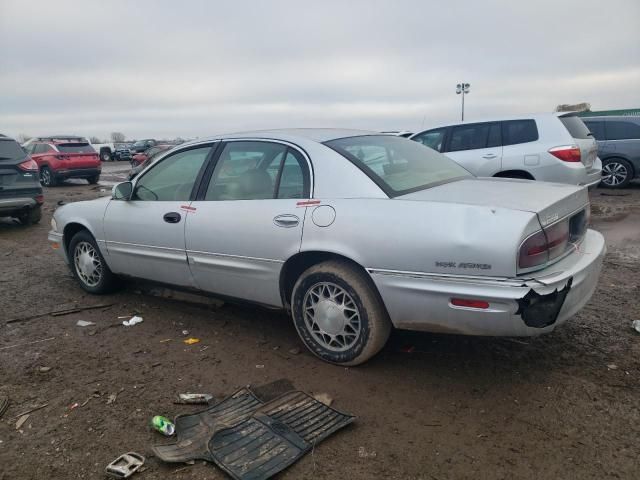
{"x":62,"y":157}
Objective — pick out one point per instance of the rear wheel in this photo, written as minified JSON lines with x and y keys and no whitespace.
{"x":616,"y":173}
{"x":339,"y":314}
{"x":31,"y":217}
{"x":47,"y":178}
{"x":93,"y":180}
{"x":88,"y":265}
{"x":105,"y":155}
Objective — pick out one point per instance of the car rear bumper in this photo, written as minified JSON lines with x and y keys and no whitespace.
{"x":11,"y":205}
{"x":78,"y":173}
{"x":517,"y":306}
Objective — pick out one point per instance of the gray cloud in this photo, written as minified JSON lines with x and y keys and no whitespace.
{"x":194,"y":68}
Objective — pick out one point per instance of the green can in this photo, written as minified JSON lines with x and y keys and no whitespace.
{"x":163,"y":425}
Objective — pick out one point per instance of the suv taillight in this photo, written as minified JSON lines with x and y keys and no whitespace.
{"x":566,"y":153}
{"x":28,"y":166}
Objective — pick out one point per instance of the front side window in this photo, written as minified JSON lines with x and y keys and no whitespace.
{"x":173,"y":178}
{"x":397,"y":165}
{"x":596,"y":127}
{"x":432,"y":139}
{"x":258,"y":170}
{"x":622,"y":130}
{"x":519,"y":131}
{"x":469,"y":137}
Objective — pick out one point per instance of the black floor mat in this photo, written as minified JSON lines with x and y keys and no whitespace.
{"x":193,"y":431}
{"x":256,"y":448}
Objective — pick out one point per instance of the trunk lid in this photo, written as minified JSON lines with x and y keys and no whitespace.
{"x":550,"y":201}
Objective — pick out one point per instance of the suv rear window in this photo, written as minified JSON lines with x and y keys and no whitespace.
{"x":576,"y":126}
{"x":622,"y":130}
{"x":75,"y":148}
{"x":10,"y":150}
{"x":519,"y":131}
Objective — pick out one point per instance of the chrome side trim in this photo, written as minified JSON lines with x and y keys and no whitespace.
{"x":239,"y":257}
{"x":126,"y":244}
{"x":495,"y":281}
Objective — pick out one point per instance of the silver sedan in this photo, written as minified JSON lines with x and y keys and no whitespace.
{"x":351,"y":232}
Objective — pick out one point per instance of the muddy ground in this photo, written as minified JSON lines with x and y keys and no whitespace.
{"x":564,"y":405}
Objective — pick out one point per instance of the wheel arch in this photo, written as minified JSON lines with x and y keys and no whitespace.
{"x":301,"y":261}
{"x":523,"y":174}
{"x":70,"y":229}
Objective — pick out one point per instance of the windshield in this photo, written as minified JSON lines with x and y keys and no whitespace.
{"x":75,"y":148}
{"x":398,"y":165}
{"x":9,"y":149}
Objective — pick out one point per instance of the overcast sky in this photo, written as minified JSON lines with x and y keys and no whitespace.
{"x":195,"y":67}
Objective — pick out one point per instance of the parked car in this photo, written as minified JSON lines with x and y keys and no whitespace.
{"x":618,"y":146}
{"x":156,"y":154}
{"x":140,"y":158}
{"x":352,"y":232}
{"x":552,"y":147}
{"x":122,"y":152}
{"x":20,"y":191}
{"x":142,"y":145}
{"x":399,"y":133}
{"x":63,"y":157}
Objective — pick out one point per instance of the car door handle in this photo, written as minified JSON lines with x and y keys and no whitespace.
{"x":489,"y":155}
{"x":286,"y":220}
{"x":172,"y":217}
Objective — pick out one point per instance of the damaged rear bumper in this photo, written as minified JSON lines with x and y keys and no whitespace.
{"x":517,"y":306}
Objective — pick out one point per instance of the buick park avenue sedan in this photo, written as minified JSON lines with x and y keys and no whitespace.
{"x":351,"y":232}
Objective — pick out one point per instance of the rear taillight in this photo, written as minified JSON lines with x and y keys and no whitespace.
{"x":40,"y":199}
{"x":28,"y":166}
{"x":545,"y":245}
{"x":566,"y":153}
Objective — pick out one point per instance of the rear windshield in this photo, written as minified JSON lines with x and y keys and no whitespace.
{"x":576,"y":126}
{"x":398,"y":165}
{"x":10,"y":150}
{"x":75,"y":148}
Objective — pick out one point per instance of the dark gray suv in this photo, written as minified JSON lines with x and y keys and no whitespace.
{"x":618,"y":148}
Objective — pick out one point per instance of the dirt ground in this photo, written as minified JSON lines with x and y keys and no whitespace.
{"x":564,"y":405}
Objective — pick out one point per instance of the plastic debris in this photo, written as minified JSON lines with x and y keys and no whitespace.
{"x":21,"y":420}
{"x":324,"y":398}
{"x":191,"y":341}
{"x":185,"y":332}
{"x":74,"y":406}
{"x":612,"y":366}
{"x":133,"y":321}
{"x":125,"y":465}
{"x":294,"y":351}
{"x":163,"y":425}
{"x":259,"y":366}
{"x":44,"y":369}
{"x":84,"y":323}
{"x":194,"y":398}
{"x":636,"y":325}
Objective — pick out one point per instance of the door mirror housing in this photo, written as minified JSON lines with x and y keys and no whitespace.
{"x":122,"y":191}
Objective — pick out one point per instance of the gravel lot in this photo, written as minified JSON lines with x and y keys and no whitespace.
{"x":564,"y":405}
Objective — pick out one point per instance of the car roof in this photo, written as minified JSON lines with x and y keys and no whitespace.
{"x":319,"y":135}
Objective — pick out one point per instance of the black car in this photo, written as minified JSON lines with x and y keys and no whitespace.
{"x":141,"y":145}
{"x":20,"y":190}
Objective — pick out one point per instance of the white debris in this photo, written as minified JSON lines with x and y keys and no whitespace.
{"x":636,"y":325}
{"x":134,"y":320}
{"x":84,"y":323}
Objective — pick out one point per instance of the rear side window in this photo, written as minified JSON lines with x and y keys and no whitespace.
{"x":576,"y":126}
{"x":622,"y":130}
{"x":10,"y":150}
{"x":596,"y":127}
{"x":469,"y":137}
{"x":75,"y":148}
{"x":519,"y":131}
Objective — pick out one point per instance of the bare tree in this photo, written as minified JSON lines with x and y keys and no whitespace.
{"x":577,"y":107}
{"x":117,"y":137}
{"x":23,"y":137}
{"x":95,"y":140}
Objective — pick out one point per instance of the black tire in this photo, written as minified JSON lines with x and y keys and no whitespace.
{"x":105,"y":155}
{"x":103,"y":281}
{"x":616,"y":173}
{"x":361,"y":297}
{"x":47,"y":178}
{"x":93,"y":180}
{"x":31,"y":217}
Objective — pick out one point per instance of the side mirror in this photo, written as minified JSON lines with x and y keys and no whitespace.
{"x":122,"y":191}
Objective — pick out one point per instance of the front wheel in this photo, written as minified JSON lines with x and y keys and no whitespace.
{"x":338,"y":313}
{"x":88,"y":265}
{"x":616,"y":173}
{"x":31,"y":217}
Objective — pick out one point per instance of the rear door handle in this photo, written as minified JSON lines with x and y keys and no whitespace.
{"x":172,"y":217}
{"x":286,"y":220}
{"x":489,"y":155}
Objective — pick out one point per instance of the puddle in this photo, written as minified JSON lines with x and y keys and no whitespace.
{"x":620,"y":231}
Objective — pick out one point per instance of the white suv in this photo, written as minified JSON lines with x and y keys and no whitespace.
{"x":552,"y":147}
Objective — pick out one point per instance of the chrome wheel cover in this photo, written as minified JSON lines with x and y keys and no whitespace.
{"x":87,"y":264}
{"x":331,"y":316}
{"x":614,"y":173}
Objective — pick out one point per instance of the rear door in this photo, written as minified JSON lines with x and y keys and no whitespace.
{"x":477,"y":147}
{"x":248,"y":219}
{"x":623,"y":136}
{"x":582,"y":137}
{"x":520,"y":149}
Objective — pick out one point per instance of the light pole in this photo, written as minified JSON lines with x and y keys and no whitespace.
{"x":462,"y":88}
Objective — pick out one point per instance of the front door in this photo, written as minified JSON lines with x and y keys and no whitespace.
{"x":145,"y":234}
{"x":248,"y":220}
{"x":477,"y":147}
